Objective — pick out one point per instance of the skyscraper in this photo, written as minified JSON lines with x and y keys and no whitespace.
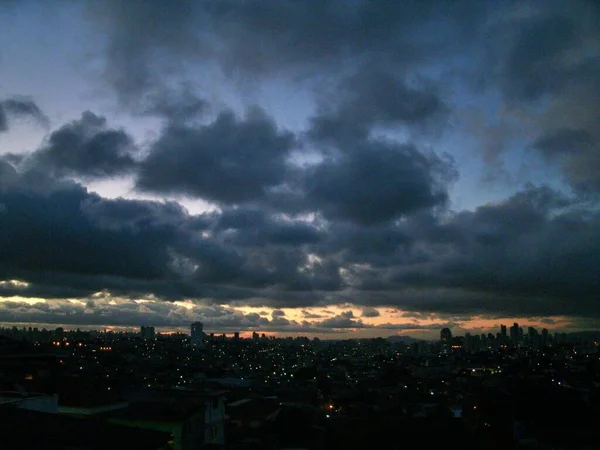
{"x":197,"y":335}
{"x":503,"y":331}
{"x":514,"y":333}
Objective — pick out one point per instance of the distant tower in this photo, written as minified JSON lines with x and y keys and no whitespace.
{"x":197,"y":336}
{"x":514,"y":333}
{"x":503,"y":331}
{"x":544,"y":337}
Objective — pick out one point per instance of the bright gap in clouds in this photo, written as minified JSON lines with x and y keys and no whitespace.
{"x":125,"y":188}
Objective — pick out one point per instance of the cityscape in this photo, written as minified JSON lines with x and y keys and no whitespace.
{"x":299,"y":224}
{"x":197,"y":390}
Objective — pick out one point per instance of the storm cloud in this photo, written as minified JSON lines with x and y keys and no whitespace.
{"x":86,"y":148}
{"x":231,"y":160}
{"x":440,"y":160}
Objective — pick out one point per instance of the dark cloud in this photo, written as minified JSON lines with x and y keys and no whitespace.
{"x":370,"y":312}
{"x":179,"y":106}
{"x":20,"y":108}
{"x":342,"y":320}
{"x":51,"y":232}
{"x":374,"y":97}
{"x":564,"y":141}
{"x":68,"y":242}
{"x":309,"y":315}
{"x":378,"y":181}
{"x":254,"y":227}
{"x":148,"y":43}
{"x":231,"y":160}
{"x":535,"y":62}
{"x":355,"y":208}
{"x":569,"y":138}
{"x":534,"y":252}
{"x":547,"y":74}
{"x":374,"y":245}
{"x":145,"y":42}
{"x":120,"y":214}
{"x":86,"y":148}
{"x":8,"y":174}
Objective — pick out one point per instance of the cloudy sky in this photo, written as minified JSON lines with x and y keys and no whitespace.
{"x":334,"y":169}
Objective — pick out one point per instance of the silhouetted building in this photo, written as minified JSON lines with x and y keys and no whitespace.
{"x":544,"y":337}
{"x":514,"y":333}
{"x":197,"y":334}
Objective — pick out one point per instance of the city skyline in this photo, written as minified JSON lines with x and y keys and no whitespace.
{"x":338,"y":170}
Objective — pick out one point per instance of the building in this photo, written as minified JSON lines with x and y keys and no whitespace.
{"x":514,"y":334}
{"x":193,"y":418}
{"x":147,"y":332}
{"x":197,"y":334}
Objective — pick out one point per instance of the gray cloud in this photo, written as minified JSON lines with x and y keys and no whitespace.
{"x":230,"y":160}
{"x":534,"y":252}
{"x":147,"y":43}
{"x":545,"y":56}
{"x":82,"y":243}
{"x":342,"y":320}
{"x":378,"y":181}
{"x":563,"y":141}
{"x":370,"y":312}
{"x":20,"y":108}
{"x":374,"y":97}
{"x":548,"y":56}
{"x":533,"y":64}
{"x":569,"y":138}
{"x":145,"y":40}
{"x":86,"y":148}
{"x":254,"y":227}
{"x":369,"y":220}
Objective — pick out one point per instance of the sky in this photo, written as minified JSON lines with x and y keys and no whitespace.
{"x":336,"y":169}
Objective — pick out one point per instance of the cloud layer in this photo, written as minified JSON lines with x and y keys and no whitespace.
{"x":355,"y":204}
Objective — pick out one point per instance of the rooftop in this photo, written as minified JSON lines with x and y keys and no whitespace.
{"x":35,"y":430}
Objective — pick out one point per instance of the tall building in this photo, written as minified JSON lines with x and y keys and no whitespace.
{"x":197,"y":334}
{"x":514,"y":333}
{"x":147,"y":332}
{"x":446,"y":338}
{"x":544,"y":337}
{"x":503,"y":331}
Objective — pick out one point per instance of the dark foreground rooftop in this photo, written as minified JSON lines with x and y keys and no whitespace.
{"x":33,"y":430}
